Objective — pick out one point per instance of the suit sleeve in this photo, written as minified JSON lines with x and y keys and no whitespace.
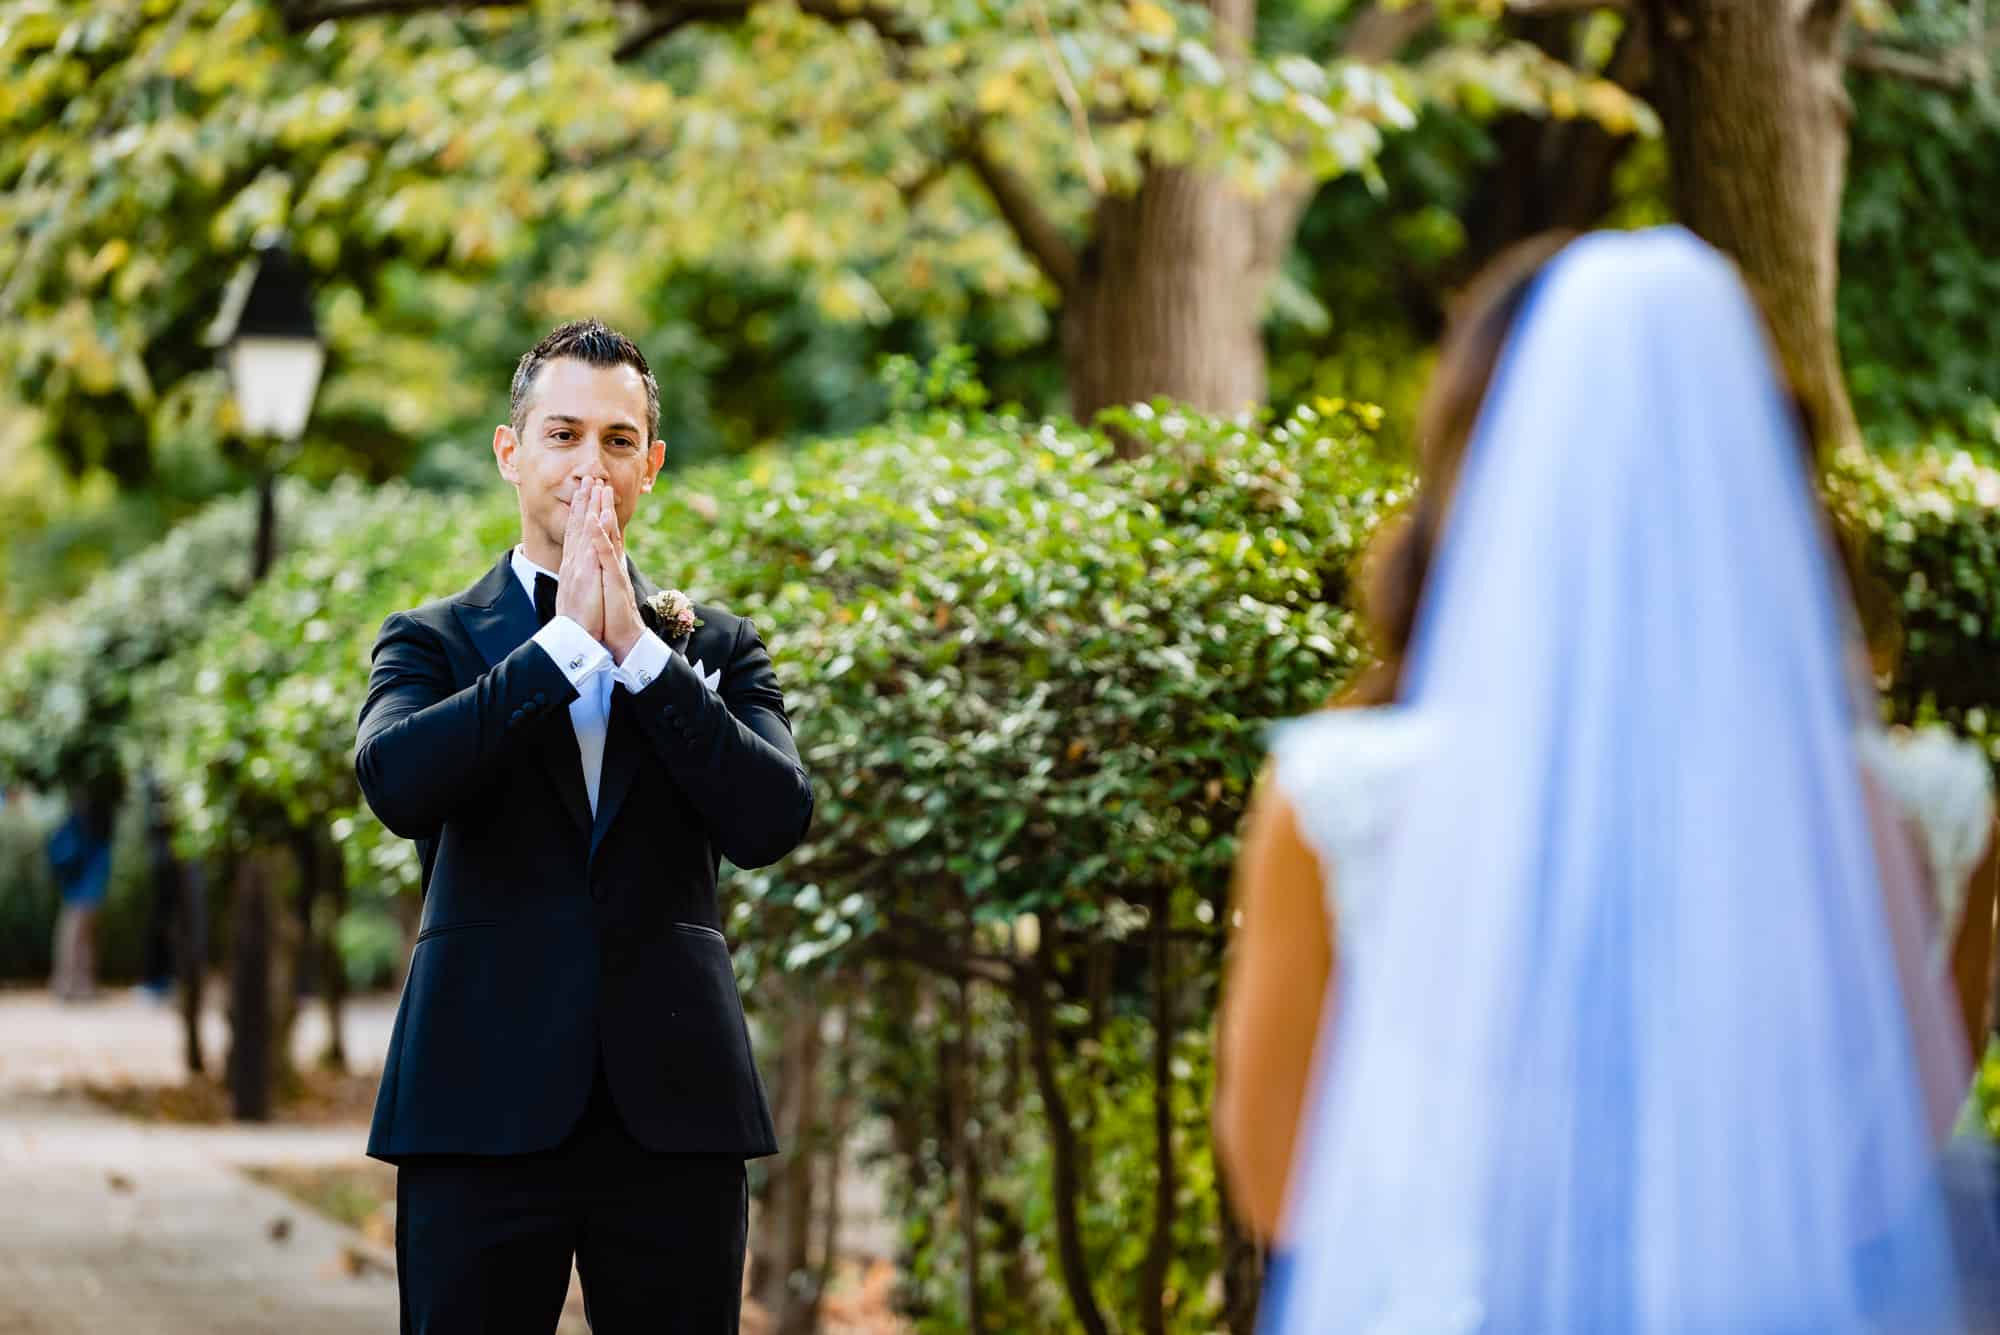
{"x":423,"y":750}
{"x":731,"y":751}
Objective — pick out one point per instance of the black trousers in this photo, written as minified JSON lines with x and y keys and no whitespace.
{"x":483,"y":1244}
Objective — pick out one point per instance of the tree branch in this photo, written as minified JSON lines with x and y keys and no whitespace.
{"x":673,"y":21}
{"x":298,"y":20}
{"x":1065,"y":1184}
{"x":673,"y":17}
{"x":1379,"y":33}
{"x":1951,"y":71}
{"x":1012,"y":195}
{"x":886,"y":22}
{"x":1565,"y":6}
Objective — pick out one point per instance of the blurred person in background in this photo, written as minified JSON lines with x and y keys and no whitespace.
{"x":80,"y":858}
{"x":1640,"y":1018}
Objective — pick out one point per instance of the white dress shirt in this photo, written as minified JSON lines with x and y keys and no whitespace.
{"x":589,"y":668}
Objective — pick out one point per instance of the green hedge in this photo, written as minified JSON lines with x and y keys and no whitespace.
{"x":1929,"y":525}
{"x":1029,"y":679}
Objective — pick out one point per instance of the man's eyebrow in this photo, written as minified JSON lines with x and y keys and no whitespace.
{"x":567,"y":420}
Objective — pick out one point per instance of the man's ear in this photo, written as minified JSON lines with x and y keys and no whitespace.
{"x":656,"y":458}
{"x":506,"y":452}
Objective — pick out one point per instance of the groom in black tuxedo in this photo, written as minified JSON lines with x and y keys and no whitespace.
{"x":573,"y":752}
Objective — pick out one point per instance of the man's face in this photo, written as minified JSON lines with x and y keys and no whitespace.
{"x":582,"y":422}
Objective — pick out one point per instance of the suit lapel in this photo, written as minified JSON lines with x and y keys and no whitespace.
{"x":621,"y":741}
{"x":498,"y":614}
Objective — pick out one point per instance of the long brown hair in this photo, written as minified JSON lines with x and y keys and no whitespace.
{"x":1398,"y":560}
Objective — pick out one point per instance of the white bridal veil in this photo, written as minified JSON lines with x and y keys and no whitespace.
{"x":1631,"y":1050}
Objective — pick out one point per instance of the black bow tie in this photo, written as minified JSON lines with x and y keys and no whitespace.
{"x":545,"y":598}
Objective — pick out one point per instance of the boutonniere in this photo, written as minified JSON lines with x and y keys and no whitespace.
{"x":674,"y":611}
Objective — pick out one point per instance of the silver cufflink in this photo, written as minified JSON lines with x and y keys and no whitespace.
{"x":576,"y":663}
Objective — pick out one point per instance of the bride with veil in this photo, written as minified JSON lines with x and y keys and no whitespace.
{"x":1637,"y":1023}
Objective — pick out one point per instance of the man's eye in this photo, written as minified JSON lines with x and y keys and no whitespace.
{"x":559,"y":435}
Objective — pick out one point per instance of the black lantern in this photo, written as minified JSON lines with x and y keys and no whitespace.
{"x":271,"y":345}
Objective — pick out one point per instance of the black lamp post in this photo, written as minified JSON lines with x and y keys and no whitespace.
{"x":272,"y":349}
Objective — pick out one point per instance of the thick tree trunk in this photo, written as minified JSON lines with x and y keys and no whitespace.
{"x":1167,"y":300}
{"x":1755,"y":112}
{"x":1165,"y":304}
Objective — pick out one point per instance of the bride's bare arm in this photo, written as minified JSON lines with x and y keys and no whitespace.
{"x":1972,"y":951}
{"x":1274,"y":984}
{"x":1906,"y":903}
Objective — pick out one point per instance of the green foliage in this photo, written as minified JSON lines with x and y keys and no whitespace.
{"x":1030,"y":680}
{"x":1929,"y":526}
{"x":66,"y":686}
{"x":1920,"y":290}
{"x":1986,"y":1091}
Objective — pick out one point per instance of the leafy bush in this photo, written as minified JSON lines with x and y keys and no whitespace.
{"x":66,"y":687}
{"x":1030,"y":680}
{"x":1929,"y":528}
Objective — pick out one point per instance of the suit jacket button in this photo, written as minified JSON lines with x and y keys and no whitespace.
{"x":541,"y":697}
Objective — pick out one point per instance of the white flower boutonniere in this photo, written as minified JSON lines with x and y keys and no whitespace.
{"x":675,"y":612}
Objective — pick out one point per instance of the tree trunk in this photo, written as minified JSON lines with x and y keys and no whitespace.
{"x":802,"y":1319}
{"x":1548,"y":173}
{"x":962,"y":1081}
{"x":193,"y":955}
{"x":251,"y":1040}
{"x":1751,"y":96}
{"x":1160,"y":1250}
{"x":1168,"y":297}
{"x":333,"y":975}
{"x":1163,"y":304}
{"x":1063,"y":1186}
{"x":1242,"y":1276}
{"x":783,"y":1266}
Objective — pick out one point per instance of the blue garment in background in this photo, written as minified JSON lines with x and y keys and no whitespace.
{"x":81,"y":861}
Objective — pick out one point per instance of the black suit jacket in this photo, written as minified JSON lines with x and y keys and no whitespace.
{"x":548,"y":935}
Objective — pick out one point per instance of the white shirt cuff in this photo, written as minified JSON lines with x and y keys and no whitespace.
{"x":643,"y":666}
{"x":574,"y":651}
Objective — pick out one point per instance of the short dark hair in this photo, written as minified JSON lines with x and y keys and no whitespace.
{"x":595,"y":344}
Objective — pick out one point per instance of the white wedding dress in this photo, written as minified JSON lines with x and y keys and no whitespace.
{"x":1344,"y":774}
